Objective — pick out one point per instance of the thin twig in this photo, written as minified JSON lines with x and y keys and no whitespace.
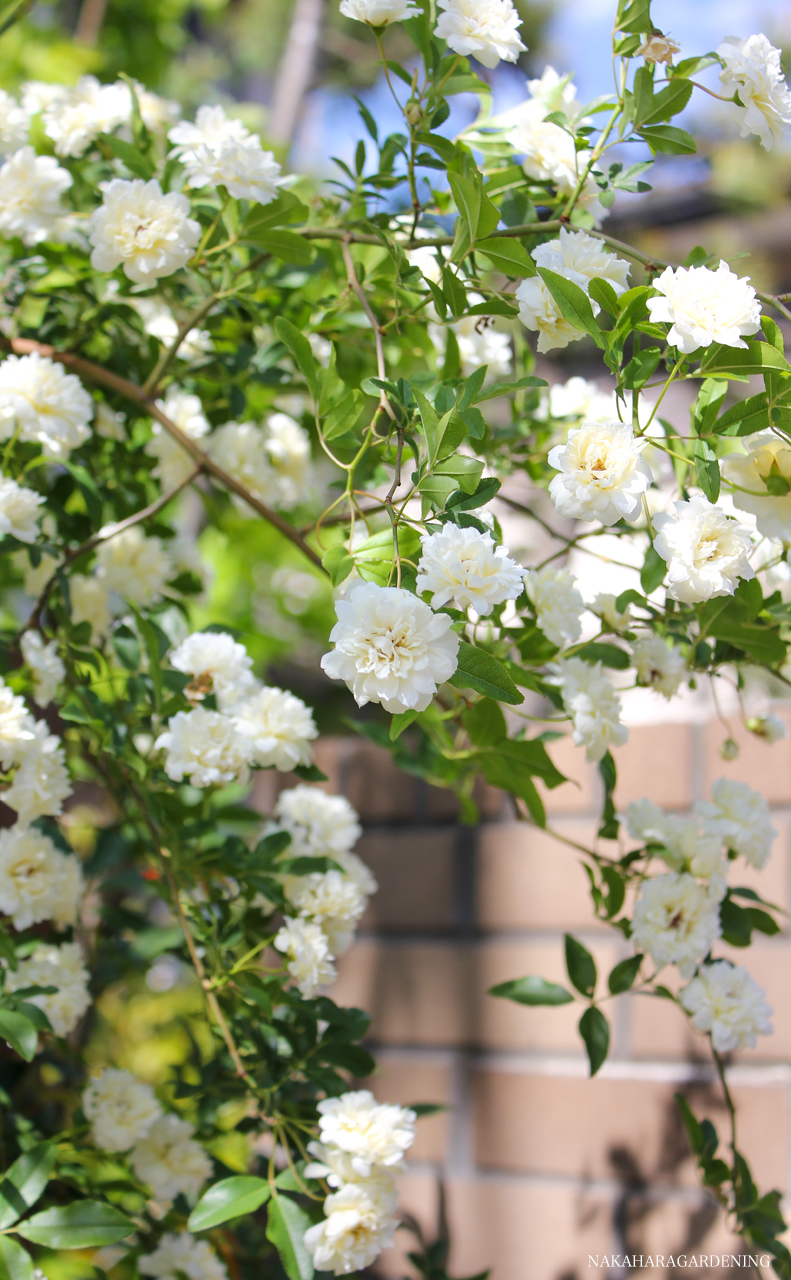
{"x":166,"y":359}
{"x":351,"y":273}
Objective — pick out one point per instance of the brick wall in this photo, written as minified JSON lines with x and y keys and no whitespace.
{"x":541,"y":1166}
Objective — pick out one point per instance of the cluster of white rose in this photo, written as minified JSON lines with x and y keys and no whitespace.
{"x":677,"y":914}
{"x":361,"y":1148}
{"x":125,"y":1116}
{"x":324,"y":907}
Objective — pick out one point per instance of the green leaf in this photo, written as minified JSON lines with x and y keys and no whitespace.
{"x":299,"y":347}
{"x":745,"y":417}
{"x":609,"y":655}
{"x":24,"y":1182}
{"x":691,"y":1124}
{"x":505,"y":388}
{"x":485,"y":723}
{"x":478,"y":670}
{"x":707,"y":468}
{"x":401,"y":721}
{"x":84,"y":1224}
{"x":13,"y":12}
{"x":623,"y":975}
{"x":286,"y":245}
{"x":595,"y":1031}
{"x":15,"y":1262}
{"x":532,"y":990}
{"x":736,"y":922}
{"x":261,"y":218}
{"x":602,"y":292}
{"x":285,"y":1228}
{"x":574,"y":304}
{"x":634,"y":16}
{"x":580,"y":965}
{"x":761,"y":643}
{"x":466,"y":471}
{"x":20,"y":1033}
{"x":138,"y":164}
{"x":667,"y":140}
{"x":231,"y":1198}
{"x":661,"y":106}
{"x":707,"y":406}
{"x":506,"y":254}
{"x":434,"y":426}
{"x":338,"y":563}
{"x":757,"y":358}
{"x":652,"y":574}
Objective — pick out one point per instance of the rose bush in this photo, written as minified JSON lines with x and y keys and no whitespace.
{"x":353,"y":366}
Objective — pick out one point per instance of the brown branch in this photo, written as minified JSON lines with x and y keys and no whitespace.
{"x":384,"y":403}
{"x":130,"y":390}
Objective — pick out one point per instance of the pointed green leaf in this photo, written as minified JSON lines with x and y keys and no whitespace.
{"x":400,"y":722}
{"x":285,"y":1228}
{"x":580,"y":965}
{"x":574,"y":304}
{"x":84,"y":1224}
{"x":299,"y":347}
{"x":338,"y":563}
{"x":532,"y":990}
{"x":15,"y":1262}
{"x":24,"y":1182}
{"x":506,"y":254}
{"x":595,"y":1031}
{"x":478,"y":670}
{"x":20,"y":1033}
{"x":623,"y":975}
{"x":707,"y":468}
{"x":652,"y":574}
{"x":231,"y":1198}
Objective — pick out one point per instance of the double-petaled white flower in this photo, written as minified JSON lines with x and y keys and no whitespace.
{"x":14,"y":124}
{"x":549,"y":152}
{"x":676,"y":921}
{"x":218,"y":664}
{"x":170,"y":1161}
{"x":60,"y":967}
{"x":182,"y":1255}
{"x":659,"y":666}
{"x":279,"y":728}
{"x":593,"y":705}
{"x":240,"y":449}
{"x":751,"y":69}
{"x":31,"y":187}
{"x":726,"y":1003}
{"x":41,"y":782}
{"x":204,"y":746}
{"x":216,"y":151}
{"x":612,"y":619}
{"x":685,"y":845}
{"x":705,"y":306}
{"x":46,"y":405}
{"x":287,"y":446}
{"x":478,"y":341}
{"x":45,"y":664}
{"x":740,"y":817}
{"x":578,"y":257}
{"x":90,"y":602}
{"x":603,"y":474}
{"x":133,"y":566}
{"x":147,"y":232}
{"x":707,"y":552}
{"x":578,"y":398}
{"x":17,"y":727}
{"x":308,"y":955}
{"x":390,"y":648}
{"x":558,"y":604}
{"x":73,"y":118}
{"x":371,"y":1132}
{"x":332,"y":900}
{"x":174,"y":464}
{"x":319,"y":825}
{"x":37,"y":881}
{"x":121,"y":1109}
{"x":360,"y":1222}
{"x":484,"y":29}
{"x":463,"y":568}
{"x":767,"y":457}
{"x":379,"y":13}
{"x":19,"y":510}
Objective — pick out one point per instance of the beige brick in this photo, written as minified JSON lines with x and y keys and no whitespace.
{"x":527,"y":879}
{"x":765,"y":767}
{"x":408,"y":1080}
{"x":415,"y":869}
{"x":532,"y":1123}
{"x":436,"y":994}
{"x":656,"y":762}
{"x":582,"y":792}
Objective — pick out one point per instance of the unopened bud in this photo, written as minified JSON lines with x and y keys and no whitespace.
{"x":413,"y":112}
{"x":729,"y":749}
{"x":658,"y":48}
{"x":769,"y":728}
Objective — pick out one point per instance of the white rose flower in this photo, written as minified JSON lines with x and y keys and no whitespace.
{"x":593,"y":705}
{"x":612,"y":620}
{"x":37,"y":95}
{"x":216,"y":151}
{"x":14,"y":124}
{"x":31,"y":187}
{"x":17,"y":727}
{"x":156,"y":113}
{"x":19,"y":510}
{"x":578,"y":257}
{"x":727,"y":1004}
{"x":482,"y":29}
{"x":287,"y":445}
{"x":46,"y":666}
{"x":46,"y":405}
{"x":539,"y":312}
{"x":360,"y":1223}
{"x":134,"y":566}
{"x":658,"y":48}
{"x":279,"y":728}
{"x":319,"y":825}
{"x":379,"y":13}
{"x":174,"y":464}
{"x":160,"y":322}
{"x":478,"y":341}
{"x":390,"y":648}
{"x":149,"y":233}
{"x":41,"y":783}
{"x":769,"y":728}
{"x":550,"y":155}
{"x":603,"y":475}
{"x":308,"y":952}
{"x":766,"y":455}
{"x":331,"y":900}
{"x":218,"y":665}
{"x":241,"y":450}
{"x":37,"y":881}
{"x":752,"y":70}
{"x":741,"y":819}
{"x":60,"y":967}
{"x":706,"y":551}
{"x":338,"y":1168}
{"x":121,"y":1109}
{"x":170,"y":1161}
{"x":90,"y":602}
{"x":204,"y":746}
{"x":578,"y":398}
{"x":658,"y":665}
{"x":675,"y":921}
{"x":182,"y":1254}
{"x":463,"y":568}
{"x":74,"y":118}
{"x":705,"y":306}
{"x":686,"y":848}
{"x":557,"y":602}
{"x":108,"y":423}
{"x":373,"y":1133}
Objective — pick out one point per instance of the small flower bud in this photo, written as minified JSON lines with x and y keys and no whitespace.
{"x":729,"y":749}
{"x":769,"y":728}
{"x":413,"y":112}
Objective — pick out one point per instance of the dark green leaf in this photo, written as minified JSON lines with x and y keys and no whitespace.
{"x":580,"y":965}
{"x":623,"y":975}
{"x":138,"y":164}
{"x":478,"y":670}
{"x":20,"y":1033}
{"x":707,"y":468}
{"x":652,"y":574}
{"x":505,"y":388}
{"x":285,"y":1228}
{"x":507,"y":255}
{"x":25,"y":1180}
{"x":609,"y":655}
{"x":595,"y":1031}
{"x":663,"y":105}
{"x":84,"y":1224}
{"x":532,"y":990}
{"x":668,"y":140}
{"x":736,"y":924}
{"x":231,"y":1198}
{"x":574,"y":304}
{"x":400,"y":722}
{"x":15,"y":1262}
{"x":299,"y":347}
{"x":286,"y":245}
{"x":485,"y":723}
{"x":707,"y":406}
